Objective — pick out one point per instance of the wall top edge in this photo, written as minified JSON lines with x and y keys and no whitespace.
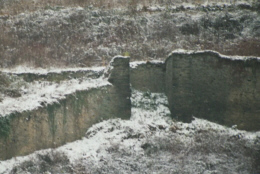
{"x":190,"y":52}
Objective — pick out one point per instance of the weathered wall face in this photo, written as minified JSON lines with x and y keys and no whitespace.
{"x":54,"y":124}
{"x":68,"y":120}
{"x":148,"y":77}
{"x":119,"y":76}
{"x":218,"y":89}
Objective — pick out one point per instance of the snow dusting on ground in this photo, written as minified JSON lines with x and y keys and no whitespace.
{"x":40,"y":93}
{"x":150,"y":142}
{"x":25,"y":69}
{"x":135,"y":64}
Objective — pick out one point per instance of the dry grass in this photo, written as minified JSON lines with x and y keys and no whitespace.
{"x":13,"y":7}
{"x":245,"y":47}
{"x":82,"y":39}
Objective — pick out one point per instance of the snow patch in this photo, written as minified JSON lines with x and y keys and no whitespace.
{"x":137,"y":63}
{"x":25,"y":69}
{"x":38,"y":93}
{"x":188,"y":52}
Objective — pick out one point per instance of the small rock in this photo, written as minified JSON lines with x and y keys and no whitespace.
{"x":173,"y":128}
{"x":152,"y":128}
{"x":161,"y":127}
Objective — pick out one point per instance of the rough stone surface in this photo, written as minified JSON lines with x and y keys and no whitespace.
{"x":119,"y":76}
{"x":222,"y":90}
{"x":148,"y":77}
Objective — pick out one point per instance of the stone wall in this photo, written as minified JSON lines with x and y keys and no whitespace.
{"x":119,"y":76}
{"x":149,"y":76}
{"x":68,"y":120}
{"x":206,"y":85}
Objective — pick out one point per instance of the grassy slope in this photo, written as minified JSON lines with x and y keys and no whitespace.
{"x":59,"y":35}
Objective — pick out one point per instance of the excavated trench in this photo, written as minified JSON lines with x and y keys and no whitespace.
{"x":205,"y":84}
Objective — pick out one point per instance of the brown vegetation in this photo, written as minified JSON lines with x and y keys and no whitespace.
{"x":12,"y":7}
{"x":89,"y":36}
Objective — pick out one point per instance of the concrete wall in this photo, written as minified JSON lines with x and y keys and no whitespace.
{"x":68,"y":120}
{"x":222,"y":90}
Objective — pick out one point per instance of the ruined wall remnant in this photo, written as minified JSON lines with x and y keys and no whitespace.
{"x":119,"y":76}
{"x":56,"y":124}
{"x":201,"y":84}
{"x":207,"y":85}
{"x":148,"y":76}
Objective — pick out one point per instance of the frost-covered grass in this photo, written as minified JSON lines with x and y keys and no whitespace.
{"x":89,"y":36}
{"x":44,"y":71}
{"x":150,"y":142}
{"x":11,"y":7}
